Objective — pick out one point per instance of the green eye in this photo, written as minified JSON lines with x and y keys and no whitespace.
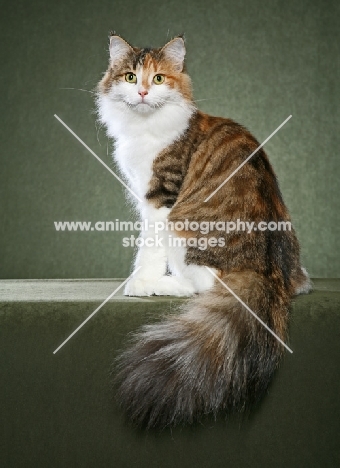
{"x":130,"y":77}
{"x":158,"y":79}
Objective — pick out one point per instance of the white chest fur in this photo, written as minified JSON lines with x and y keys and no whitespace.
{"x":135,"y":156}
{"x":140,"y":137}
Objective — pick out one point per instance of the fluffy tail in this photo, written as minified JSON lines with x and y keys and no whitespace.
{"x":213,"y":356}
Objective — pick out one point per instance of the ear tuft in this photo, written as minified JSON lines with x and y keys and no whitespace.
{"x":174,"y":51}
{"x":118,"y":48}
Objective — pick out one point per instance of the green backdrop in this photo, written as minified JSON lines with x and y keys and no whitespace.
{"x":252,"y":60}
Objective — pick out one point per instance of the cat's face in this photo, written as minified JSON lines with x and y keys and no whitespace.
{"x":145,"y":80}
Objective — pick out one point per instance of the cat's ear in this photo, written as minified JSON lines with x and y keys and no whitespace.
{"x":174,"y":51}
{"x":118,"y":48}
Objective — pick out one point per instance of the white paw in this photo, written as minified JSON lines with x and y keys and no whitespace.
{"x":166,"y":286}
{"x":173,"y":286}
{"x":139,"y":287}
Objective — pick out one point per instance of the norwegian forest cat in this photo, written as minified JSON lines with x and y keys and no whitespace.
{"x":213,"y":355}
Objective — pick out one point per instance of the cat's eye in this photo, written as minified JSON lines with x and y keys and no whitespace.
{"x":130,"y":77}
{"x":158,"y":79}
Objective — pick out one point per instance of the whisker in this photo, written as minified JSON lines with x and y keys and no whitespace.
{"x":79,"y":89}
{"x":207,"y":99}
{"x":97,"y":132}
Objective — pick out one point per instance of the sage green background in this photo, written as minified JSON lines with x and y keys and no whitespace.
{"x":255,"y":61}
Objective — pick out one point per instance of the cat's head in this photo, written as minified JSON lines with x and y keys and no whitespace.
{"x":145,"y":80}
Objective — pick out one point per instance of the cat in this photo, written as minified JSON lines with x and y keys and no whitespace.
{"x":213,"y":354}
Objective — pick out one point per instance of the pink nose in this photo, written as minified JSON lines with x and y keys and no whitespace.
{"x":143,"y":93}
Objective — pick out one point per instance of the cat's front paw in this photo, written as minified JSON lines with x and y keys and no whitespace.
{"x":173,"y":286}
{"x":139,"y":287}
{"x":165,"y":286}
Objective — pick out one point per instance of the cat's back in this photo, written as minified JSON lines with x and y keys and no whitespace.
{"x":215,"y":131}
{"x":218,"y":146}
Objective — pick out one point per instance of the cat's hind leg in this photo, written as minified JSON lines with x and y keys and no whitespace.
{"x":301,"y":282}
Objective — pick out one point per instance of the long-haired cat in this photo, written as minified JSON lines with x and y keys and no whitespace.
{"x":213,"y":355}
